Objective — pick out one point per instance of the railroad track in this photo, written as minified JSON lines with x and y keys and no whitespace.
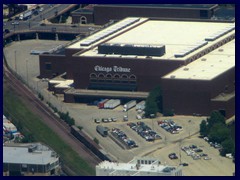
{"x":47,"y":116}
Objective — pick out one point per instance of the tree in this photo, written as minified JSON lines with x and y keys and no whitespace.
{"x":154,"y":102}
{"x":150,"y":107}
{"x":215,"y":117}
{"x":203,"y":128}
{"x":218,"y":133}
{"x":228,"y":147}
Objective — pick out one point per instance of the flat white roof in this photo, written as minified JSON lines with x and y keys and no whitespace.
{"x":132,"y":167}
{"x":20,"y":155}
{"x":106,"y":33}
{"x":177,"y":36}
{"x":62,"y":83}
{"x":209,"y":66}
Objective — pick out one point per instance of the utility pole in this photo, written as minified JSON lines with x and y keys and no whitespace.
{"x":15,"y":61}
{"x":27,"y":69}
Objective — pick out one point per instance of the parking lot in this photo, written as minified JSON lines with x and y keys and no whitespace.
{"x":84,"y":116}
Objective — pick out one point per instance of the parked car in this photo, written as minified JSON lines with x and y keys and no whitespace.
{"x":15,"y":23}
{"x":104,"y":120}
{"x":207,"y":158}
{"x":172,"y":156}
{"x":203,"y":155}
{"x":114,"y":119}
{"x":206,"y":138}
{"x":184,"y":164}
{"x":97,"y":120}
{"x":7,"y":31}
{"x":198,"y":150}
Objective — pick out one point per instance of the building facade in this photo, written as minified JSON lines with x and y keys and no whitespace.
{"x":138,"y":54}
{"x":102,"y":13}
{"x":29,"y":160}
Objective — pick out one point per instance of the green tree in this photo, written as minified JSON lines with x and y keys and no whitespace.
{"x":150,"y":107}
{"x":154,"y":102}
{"x":228,"y":147}
{"x":218,"y":133}
{"x":215,"y":117}
{"x":203,"y":128}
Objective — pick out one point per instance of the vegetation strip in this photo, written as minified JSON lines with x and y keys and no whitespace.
{"x":32,"y":125}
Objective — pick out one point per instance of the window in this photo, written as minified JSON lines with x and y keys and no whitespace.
{"x":24,"y":168}
{"x":48,"y":66}
{"x":83,"y":20}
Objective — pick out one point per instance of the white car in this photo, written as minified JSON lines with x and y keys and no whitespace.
{"x":15,"y":23}
{"x":138,"y":117}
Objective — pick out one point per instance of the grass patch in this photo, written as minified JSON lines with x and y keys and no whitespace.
{"x":31,"y":123}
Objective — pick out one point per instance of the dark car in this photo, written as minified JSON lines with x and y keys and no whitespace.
{"x":198,"y":150}
{"x":172,"y":156}
{"x":7,"y":31}
{"x":184,"y":164}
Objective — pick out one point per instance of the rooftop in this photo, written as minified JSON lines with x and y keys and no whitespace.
{"x":182,"y":6}
{"x":62,"y":83}
{"x":154,"y":166}
{"x":106,"y":33}
{"x":103,"y":93}
{"x":209,"y":66}
{"x":224,"y":96}
{"x":177,"y":36}
{"x":18,"y":154}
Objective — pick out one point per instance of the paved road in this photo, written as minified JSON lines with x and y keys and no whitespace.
{"x":49,"y":12}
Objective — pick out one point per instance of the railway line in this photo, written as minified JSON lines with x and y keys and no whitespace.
{"x":47,"y":116}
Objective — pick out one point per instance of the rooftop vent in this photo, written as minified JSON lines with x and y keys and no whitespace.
{"x":172,"y":76}
{"x":220,"y":50}
{"x":186,"y":69}
{"x":203,"y":59}
{"x":32,"y":148}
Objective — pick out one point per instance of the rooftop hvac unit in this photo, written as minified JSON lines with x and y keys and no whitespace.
{"x":220,"y":50}
{"x":186,"y":69}
{"x":172,"y":76}
{"x":203,"y":59}
{"x":32,"y":148}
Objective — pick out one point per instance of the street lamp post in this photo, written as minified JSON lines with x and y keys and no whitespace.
{"x":37,"y":85}
{"x":15,"y":61}
{"x":27,"y":69}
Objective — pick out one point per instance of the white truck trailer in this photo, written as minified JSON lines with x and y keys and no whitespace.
{"x":111,"y":104}
{"x":129,"y":105}
{"x":141,"y":105}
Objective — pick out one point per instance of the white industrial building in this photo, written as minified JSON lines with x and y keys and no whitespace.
{"x":137,"y":167}
{"x":29,"y":160}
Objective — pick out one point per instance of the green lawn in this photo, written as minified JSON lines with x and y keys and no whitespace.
{"x":31,"y":123}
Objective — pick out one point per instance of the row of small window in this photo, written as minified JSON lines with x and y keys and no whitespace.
{"x":113,"y":81}
{"x":110,"y":76}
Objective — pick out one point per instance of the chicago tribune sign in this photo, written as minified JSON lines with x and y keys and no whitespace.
{"x":111,"y":69}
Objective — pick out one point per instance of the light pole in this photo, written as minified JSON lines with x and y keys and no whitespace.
{"x":27,"y":69}
{"x":15,"y":52}
{"x":37,"y":85}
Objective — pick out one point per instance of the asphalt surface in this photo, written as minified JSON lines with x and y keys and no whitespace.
{"x":36,"y":21}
